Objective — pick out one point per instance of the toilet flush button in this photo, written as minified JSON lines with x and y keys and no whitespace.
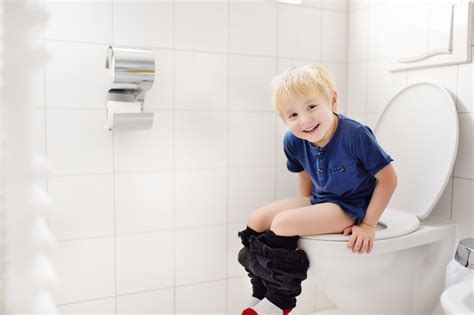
{"x":465,"y":253}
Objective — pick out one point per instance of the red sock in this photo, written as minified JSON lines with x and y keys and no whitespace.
{"x":250,"y":311}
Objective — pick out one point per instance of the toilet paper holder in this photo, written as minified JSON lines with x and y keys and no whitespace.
{"x":132,"y":75}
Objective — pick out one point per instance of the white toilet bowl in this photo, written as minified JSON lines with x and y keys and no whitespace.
{"x":404,"y":274}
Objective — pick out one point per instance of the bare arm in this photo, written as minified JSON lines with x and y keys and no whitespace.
{"x":305,"y":184}
{"x":362,"y":239}
{"x":386,"y":184}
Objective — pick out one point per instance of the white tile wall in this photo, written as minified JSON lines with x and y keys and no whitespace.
{"x":143,"y":23}
{"x":82,"y":21}
{"x":86,"y":270}
{"x":200,"y":80}
{"x":204,"y":298}
{"x":299,"y":32}
{"x":144,"y":262}
{"x":193,"y":248}
{"x":131,"y":210}
{"x":201,"y":26}
{"x":75,"y":76}
{"x":143,"y":202}
{"x":244,"y":37}
{"x":102,"y":306}
{"x":77,"y":143}
{"x":154,"y":302}
{"x":249,"y":83}
{"x":251,"y":139}
{"x":83,"y":206}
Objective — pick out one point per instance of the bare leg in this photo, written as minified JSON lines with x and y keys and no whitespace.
{"x":323,"y":218}
{"x":261,"y":219}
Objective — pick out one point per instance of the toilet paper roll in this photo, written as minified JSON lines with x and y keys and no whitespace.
{"x":116,"y":107}
{"x":130,"y":68}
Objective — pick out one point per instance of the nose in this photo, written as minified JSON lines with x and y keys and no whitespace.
{"x":305,"y":120}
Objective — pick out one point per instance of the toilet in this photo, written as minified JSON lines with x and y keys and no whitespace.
{"x":404,"y":273}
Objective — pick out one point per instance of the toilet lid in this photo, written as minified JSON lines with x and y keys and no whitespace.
{"x":419,"y":130}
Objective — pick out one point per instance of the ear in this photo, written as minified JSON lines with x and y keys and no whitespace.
{"x":334,"y":101}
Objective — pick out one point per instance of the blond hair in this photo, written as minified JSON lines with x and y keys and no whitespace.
{"x":307,"y":80}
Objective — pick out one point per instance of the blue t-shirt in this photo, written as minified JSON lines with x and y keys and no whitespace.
{"x":343,"y":170}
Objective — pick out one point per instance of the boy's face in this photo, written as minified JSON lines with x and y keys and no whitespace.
{"x":311,"y":117}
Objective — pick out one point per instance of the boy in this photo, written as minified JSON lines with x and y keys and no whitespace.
{"x":345,"y":180}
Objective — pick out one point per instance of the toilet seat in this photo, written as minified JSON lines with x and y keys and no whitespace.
{"x":419,"y":129}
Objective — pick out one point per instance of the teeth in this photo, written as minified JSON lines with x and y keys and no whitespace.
{"x":311,"y":129}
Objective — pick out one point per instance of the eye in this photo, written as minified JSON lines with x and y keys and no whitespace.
{"x":312,"y":106}
{"x":292,"y":115}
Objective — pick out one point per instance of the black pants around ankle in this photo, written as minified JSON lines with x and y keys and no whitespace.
{"x":258,"y":288}
{"x":280,"y":266}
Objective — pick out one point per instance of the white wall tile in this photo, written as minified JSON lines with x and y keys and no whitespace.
{"x":358,"y":35}
{"x":38,"y":132}
{"x":284,"y":63}
{"x":251,"y":139}
{"x":238,"y":290}
{"x":442,"y":208}
{"x":201,"y":140}
{"x":334,"y":36}
{"x":76,"y":76}
{"x":380,"y":35}
{"x":382,"y":85}
{"x":355,"y":5}
{"x":336,"y":5}
{"x":357,"y":87}
{"x":85,"y":270}
{"x":79,"y":20}
{"x":312,"y":3}
{"x":77,"y":142}
{"x":281,"y":129}
{"x":197,"y":246}
{"x":249,"y":83}
{"x":465,"y":101}
{"x":244,"y":35}
{"x":361,"y":117}
{"x":249,"y":189}
{"x":339,"y":72}
{"x":155,"y":302}
{"x":148,"y":149}
{"x":463,"y":201}
{"x":464,"y":166}
{"x":306,"y":23}
{"x":23,"y":73}
{"x":143,"y":202}
{"x":200,"y":198}
{"x":160,"y":96}
{"x":83,"y":206}
{"x":25,"y":20}
{"x":144,"y":262}
{"x":102,"y":306}
{"x":192,"y":299}
{"x":371,"y":119}
{"x":445,"y":76}
{"x":200,"y":80}
{"x":286,"y":183}
{"x":201,"y":26}
{"x":234,"y":245}
{"x":410,"y":37}
{"x":143,"y":23}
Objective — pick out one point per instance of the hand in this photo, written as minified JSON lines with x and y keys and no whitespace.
{"x":362,"y":239}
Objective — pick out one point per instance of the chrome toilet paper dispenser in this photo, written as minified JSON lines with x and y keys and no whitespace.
{"x":132,"y":75}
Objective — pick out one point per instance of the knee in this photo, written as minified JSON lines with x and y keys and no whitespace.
{"x":281,"y":225}
{"x":258,"y":221}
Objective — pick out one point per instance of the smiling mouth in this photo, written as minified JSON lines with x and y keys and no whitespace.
{"x":312,"y":129}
